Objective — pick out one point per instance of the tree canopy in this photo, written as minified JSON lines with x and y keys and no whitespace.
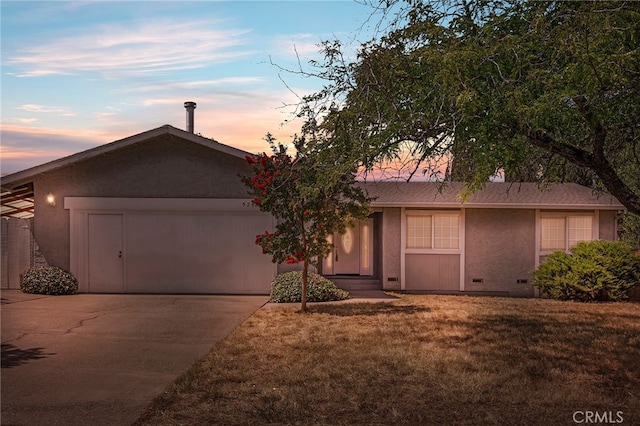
{"x":538,"y":91}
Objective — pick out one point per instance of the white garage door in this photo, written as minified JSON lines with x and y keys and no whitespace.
{"x":125,"y":246}
{"x":196,"y":253}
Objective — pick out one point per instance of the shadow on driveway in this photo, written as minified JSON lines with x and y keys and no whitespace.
{"x":13,"y":356}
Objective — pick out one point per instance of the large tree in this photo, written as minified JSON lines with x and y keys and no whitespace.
{"x":539,"y":91}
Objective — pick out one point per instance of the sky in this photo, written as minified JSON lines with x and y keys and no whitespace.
{"x":77,"y":74}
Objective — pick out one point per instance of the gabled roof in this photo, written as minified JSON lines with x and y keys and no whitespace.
{"x":493,"y":195}
{"x":10,"y":181}
{"x":17,"y":188}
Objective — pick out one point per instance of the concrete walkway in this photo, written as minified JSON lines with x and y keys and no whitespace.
{"x":357,"y":296}
{"x":370,"y":296}
{"x":101,"y":359}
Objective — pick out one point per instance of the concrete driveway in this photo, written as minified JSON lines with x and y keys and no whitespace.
{"x":101,"y":359}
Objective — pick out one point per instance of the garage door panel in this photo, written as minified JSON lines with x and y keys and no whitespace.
{"x":196,"y":253}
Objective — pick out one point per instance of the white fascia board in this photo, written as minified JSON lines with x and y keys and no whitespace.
{"x":239,"y":205}
{"x":427,"y":205}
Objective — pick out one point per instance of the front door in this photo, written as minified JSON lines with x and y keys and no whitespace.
{"x":106,"y":269}
{"x":347,"y":252}
{"x":352,"y":252}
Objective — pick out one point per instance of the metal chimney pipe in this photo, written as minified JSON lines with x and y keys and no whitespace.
{"x":190,"y":106}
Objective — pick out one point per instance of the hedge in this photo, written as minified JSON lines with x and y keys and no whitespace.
{"x":594,"y":271}
{"x":287,"y":288}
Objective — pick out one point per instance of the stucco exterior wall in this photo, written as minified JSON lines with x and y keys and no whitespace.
{"x":391,"y":221}
{"x":163,"y":167}
{"x":499,"y":250}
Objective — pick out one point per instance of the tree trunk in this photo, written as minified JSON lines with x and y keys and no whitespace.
{"x":305,"y":273}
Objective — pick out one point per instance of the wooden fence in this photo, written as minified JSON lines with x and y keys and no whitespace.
{"x":18,"y":250}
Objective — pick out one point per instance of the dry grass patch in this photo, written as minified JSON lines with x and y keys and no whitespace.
{"x":418,"y":360}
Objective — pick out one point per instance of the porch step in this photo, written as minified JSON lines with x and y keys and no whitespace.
{"x":355,"y":283}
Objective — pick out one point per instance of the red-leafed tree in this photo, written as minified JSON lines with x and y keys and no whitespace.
{"x":310,"y":195}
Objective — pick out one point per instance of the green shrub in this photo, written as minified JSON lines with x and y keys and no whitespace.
{"x":48,"y":280}
{"x":287,"y":288}
{"x":595,"y":271}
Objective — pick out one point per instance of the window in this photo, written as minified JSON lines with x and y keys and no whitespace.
{"x":561,"y":232}
{"x":433,"y":231}
{"x":553,"y":233}
{"x":580,"y":229}
{"x":445,"y":232}
{"x":419,"y":231}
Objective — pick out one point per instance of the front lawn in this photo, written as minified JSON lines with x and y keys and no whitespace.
{"x":439,"y":360}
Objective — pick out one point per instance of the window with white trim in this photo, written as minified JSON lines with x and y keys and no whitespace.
{"x":419,"y":232}
{"x":433,"y":231}
{"x":563,"y":231}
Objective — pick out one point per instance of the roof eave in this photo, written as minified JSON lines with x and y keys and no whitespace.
{"x":436,"y":205}
{"x":209,"y":143}
{"x":23,"y":176}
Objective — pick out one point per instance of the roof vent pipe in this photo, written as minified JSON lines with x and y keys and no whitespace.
{"x":190,"y":106}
